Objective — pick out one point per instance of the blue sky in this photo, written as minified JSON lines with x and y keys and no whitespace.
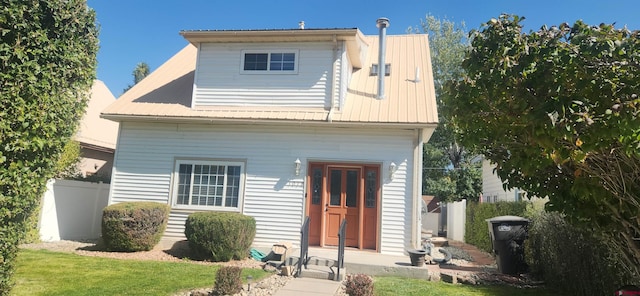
{"x":133,"y":31}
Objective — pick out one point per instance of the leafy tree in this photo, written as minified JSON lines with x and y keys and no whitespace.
{"x":140,"y":72}
{"x":448,"y":171}
{"x":557,"y":111}
{"x":47,"y":65}
{"x":67,"y":165}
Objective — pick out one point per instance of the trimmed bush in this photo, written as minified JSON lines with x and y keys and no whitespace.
{"x":228,"y":280}
{"x":359,"y":285}
{"x":576,"y":260}
{"x":220,"y":236}
{"x":476,"y":229}
{"x":133,"y":226}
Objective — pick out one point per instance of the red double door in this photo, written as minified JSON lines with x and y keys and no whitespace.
{"x":343,"y":191}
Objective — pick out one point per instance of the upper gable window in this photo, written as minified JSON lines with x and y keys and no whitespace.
{"x":273,"y":62}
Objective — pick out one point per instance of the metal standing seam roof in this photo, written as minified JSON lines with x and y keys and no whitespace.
{"x":94,"y":130}
{"x":166,"y":93}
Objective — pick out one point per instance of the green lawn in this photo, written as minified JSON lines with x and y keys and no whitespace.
{"x":405,"y":286}
{"x":51,"y":273}
{"x":41,"y":272}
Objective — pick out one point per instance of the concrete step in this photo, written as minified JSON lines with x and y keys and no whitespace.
{"x":322,"y":272}
{"x":318,"y":268}
{"x":319,"y":261}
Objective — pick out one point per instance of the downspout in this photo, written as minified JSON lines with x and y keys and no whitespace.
{"x":382,"y":24}
{"x":334,"y":68}
{"x":417,"y":188}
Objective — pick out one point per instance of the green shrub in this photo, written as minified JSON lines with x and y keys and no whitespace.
{"x":220,"y":236}
{"x":575,"y":260}
{"x":476,"y":228}
{"x":359,"y":285}
{"x":133,"y":226}
{"x":228,"y":280}
{"x":48,"y":62}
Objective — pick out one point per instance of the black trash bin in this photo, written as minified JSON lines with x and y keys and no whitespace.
{"x":507,"y":238}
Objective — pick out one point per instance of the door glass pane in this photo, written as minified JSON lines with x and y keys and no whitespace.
{"x":371,"y":186}
{"x":352,"y":189}
{"x":316,"y":186}
{"x":336,"y":187}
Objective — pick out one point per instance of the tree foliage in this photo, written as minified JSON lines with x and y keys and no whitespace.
{"x":557,"y":111}
{"x":67,"y":165}
{"x":140,"y":72}
{"x":448,"y":171}
{"x":47,"y":65}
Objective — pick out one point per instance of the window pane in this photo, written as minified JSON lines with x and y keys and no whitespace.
{"x":282,"y":62}
{"x":289,"y":57}
{"x":352,"y":189}
{"x":184,"y":182}
{"x":288,"y":66}
{"x":233,"y":186}
{"x":316,"y":186}
{"x":371,"y":189}
{"x":208,"y":185}
{"x":255,"y":61}
{"x":336,"y":187}
{"x":276,"y":66}
{"x":276,"y":57}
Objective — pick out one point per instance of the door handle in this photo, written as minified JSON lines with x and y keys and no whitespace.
{"x":326,"y":207}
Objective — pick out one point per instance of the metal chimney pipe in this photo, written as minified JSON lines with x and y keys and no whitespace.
{"x":382,"y":24}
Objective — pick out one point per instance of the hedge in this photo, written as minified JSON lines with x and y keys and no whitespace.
{"x":220,"y":236}
{"x":476,"y":229}
{"x":576,"y":260}
{"x":134,"y":226}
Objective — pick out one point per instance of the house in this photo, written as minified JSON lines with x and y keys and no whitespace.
{"x":97,"y":136}
{"x":280,"y":125}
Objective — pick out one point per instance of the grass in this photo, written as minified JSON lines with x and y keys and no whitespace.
{"x":41,"y":272}
{"x":406,"y":286}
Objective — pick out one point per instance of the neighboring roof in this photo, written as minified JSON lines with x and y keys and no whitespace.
{"x":166,"y":93}
{"x":93,"y":130}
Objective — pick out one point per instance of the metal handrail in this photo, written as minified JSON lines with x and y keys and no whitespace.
{"x":341,"y":240}
{"x":304,"y":246}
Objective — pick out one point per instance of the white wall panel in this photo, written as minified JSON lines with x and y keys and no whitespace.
{"x":220,"y":80}
{"x":274,"y":196}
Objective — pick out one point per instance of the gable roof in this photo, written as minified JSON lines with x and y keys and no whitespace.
{"x":94,"y":130}
{"x":166,"y":93}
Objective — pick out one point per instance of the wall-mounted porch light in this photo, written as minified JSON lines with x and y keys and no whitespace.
{"x":298,"y":164}
{"x":392,"y":169}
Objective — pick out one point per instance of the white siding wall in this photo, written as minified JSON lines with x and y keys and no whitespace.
{"x":220,"y":81}
{"x":492,"y":189}
{"x":274,"y":196}
{"x":345,"y":77}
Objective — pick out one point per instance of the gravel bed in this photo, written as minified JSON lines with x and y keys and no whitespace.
{"x":267,"y":286}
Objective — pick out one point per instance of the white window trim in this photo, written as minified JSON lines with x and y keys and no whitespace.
{"x":175,"y":179}
{"x":296,"y":52}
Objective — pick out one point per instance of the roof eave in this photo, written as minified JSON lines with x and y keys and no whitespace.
{"x":210,"y":120}
{"x":355,"y":41}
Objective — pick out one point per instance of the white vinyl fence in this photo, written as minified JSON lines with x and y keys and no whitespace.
{"x":456,"y":219}
{"x":72,"y":210}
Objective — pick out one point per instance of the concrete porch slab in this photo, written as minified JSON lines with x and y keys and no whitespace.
{"x":308,"y":286}
{"x":376,"y":264}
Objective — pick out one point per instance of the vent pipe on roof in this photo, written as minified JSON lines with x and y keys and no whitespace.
{"x":301,"y":25}
{"x":382,"y":24}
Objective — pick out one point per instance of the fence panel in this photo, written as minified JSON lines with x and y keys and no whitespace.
{"x":72,"y":210}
